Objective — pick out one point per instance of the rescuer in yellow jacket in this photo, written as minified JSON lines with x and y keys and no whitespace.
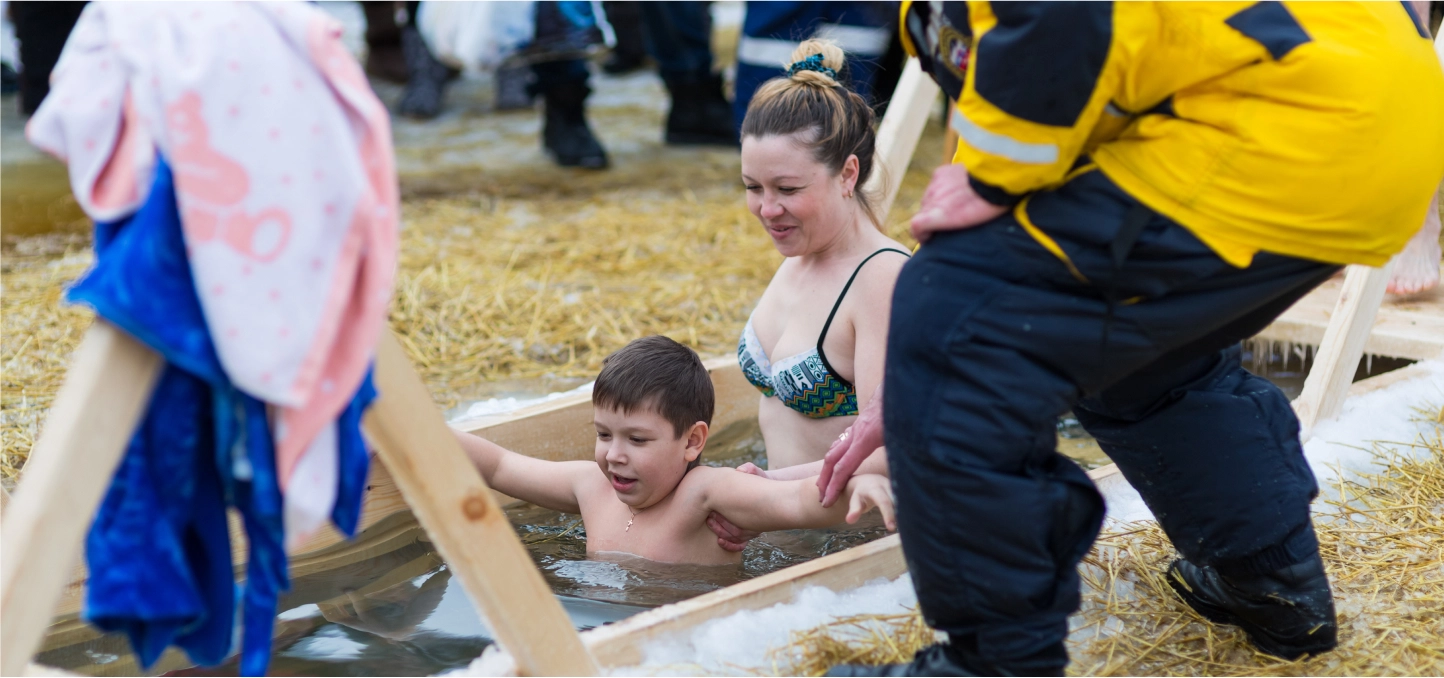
{"x":1138,"y":187}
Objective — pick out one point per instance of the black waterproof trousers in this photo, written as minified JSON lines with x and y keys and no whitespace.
{"x":993,"y":337}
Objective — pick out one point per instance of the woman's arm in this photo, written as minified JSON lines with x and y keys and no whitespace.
{"x":761,"y":505}
{"x":550,"y":484}
{"x":877,"y":463}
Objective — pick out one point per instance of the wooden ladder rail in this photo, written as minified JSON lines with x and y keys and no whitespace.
{"x":91,"y":421}
{"x":897,"y":136}
{"x":1339,"y":352}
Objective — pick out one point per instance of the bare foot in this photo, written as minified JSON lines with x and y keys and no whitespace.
{"x":1417,"y":267}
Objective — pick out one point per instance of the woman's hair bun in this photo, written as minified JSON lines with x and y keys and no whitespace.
{"x":804,"y":66}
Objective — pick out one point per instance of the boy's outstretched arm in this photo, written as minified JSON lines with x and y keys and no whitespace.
{"x":550,"y":484}
{"x":761,"y":505}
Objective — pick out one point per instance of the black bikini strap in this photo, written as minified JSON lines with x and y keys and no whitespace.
{"x":838,"y":304}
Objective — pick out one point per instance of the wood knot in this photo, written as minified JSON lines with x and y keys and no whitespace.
{"x":474,"y":506}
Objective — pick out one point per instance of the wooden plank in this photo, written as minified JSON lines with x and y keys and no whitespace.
{"x":85,"y":435}
{"x":465,"y":522}
{"x":950,"y":137}
{"x":1343,"y":345}
{"x":897,"y":136}
{"x":1405,"y":327}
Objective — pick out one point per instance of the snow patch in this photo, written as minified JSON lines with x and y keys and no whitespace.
{"x":739,"y":644}
{"x":492,"y":406}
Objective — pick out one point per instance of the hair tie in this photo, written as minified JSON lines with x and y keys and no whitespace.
{"x":812,"y":63}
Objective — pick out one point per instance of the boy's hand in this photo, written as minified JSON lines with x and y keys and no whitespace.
{"x":871,"y":492}
{"x":729,"y":536}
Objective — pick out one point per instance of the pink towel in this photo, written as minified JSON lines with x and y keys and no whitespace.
{"x":287,"y":190}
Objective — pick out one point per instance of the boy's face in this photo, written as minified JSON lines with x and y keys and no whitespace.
{"x":641,"y":454}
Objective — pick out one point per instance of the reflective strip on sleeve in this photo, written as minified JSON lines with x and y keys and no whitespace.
{"x":868,"y":41}
{"x":1003,"y":146}
{"x":765,"y":52}
{"x":864,"y":41}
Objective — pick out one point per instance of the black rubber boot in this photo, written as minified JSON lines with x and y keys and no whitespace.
{"x":701,"y":114}
{"x":426,"y":77}
{"x":1287,"y":613}
{"x":565,"y":133}
{"x":933,"y":660}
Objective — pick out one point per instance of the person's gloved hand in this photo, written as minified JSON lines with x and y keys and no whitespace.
{"x":855,"y":444}
{"x":950,"y":203}
{"x":729,"y":536}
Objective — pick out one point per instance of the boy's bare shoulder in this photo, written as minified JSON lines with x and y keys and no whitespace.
{"x":698,"y":481}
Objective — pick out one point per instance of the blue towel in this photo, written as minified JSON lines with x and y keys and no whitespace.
{"x":159,"y":550}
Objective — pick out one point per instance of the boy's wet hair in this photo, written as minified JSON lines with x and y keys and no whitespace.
{"x":659,"y":374}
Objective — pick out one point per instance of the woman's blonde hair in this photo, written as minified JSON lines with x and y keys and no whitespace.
{"x":833,"y":121}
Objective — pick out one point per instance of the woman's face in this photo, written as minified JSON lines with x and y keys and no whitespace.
{"x":798,"y":201}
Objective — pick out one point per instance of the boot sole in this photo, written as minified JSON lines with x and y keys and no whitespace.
{"x":1260,"y":637}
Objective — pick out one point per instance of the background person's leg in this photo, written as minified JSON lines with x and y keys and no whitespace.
{"x":565,"y":133}
{"x":679,"y":38}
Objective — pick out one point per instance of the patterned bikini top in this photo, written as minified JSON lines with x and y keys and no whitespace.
{"x":804,"y":382}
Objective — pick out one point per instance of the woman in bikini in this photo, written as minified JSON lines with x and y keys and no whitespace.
{"x":815,"y":344}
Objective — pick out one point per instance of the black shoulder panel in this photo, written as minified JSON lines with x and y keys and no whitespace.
{"x":1272,"y":25}
{"x":1418,"y":20}
{"x":1043,"y":59}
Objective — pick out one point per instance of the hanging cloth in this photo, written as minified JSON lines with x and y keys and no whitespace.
{"x":286,"y":186}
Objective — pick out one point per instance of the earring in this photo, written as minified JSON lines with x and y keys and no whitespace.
{"x":848,"y":194}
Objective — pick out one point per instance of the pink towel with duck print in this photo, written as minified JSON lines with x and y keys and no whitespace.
{"x":287,"y":189}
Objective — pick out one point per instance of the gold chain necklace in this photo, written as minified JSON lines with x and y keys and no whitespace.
{"x":631,"y":520}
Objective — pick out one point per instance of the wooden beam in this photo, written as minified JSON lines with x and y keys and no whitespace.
{"x":1343,"y":345}
{"x":466,"y":524}
{"x":86,"y":432}
{"x":1406,"y":327}
{"x":897,"y":136}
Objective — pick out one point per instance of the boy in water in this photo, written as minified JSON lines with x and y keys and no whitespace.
{"x":653,"y":404}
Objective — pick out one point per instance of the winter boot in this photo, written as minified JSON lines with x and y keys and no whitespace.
{"x":426,"y":77}
{"x":933,"y":660}
{"x":701,"y":114}
{"x":1287,"y":613}
{"x":514,"y":85}
{"x":565,"y":133}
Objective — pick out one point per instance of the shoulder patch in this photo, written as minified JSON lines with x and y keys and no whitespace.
{"x":1272,"y":25}
{"x":1042,"y":60}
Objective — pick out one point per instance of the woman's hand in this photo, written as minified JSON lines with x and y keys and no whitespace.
{"x":950,"y":203}
{"x":855,"y":445}
{"x":870,"y":492}
{"x":729,"y":536}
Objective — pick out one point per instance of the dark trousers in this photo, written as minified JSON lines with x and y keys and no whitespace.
{"x":679,"y":36}
{"x":41,"y":28}
{"x":993,"y":337}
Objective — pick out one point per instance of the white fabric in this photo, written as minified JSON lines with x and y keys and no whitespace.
{"x":284,"y":179}
{"x":476,"y":35}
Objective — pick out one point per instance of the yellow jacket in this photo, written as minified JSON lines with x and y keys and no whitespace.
{"x":1309,"y":129}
